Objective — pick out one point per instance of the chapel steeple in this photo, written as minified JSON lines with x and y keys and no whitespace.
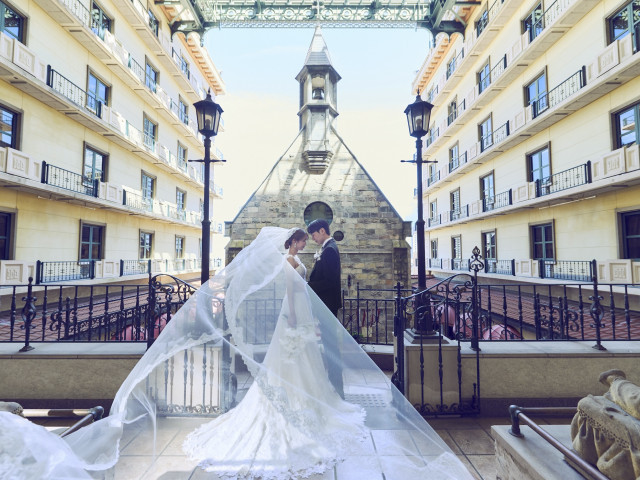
{"x":318,"y":103}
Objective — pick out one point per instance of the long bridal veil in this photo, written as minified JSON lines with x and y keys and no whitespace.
{"x":255,"y":335}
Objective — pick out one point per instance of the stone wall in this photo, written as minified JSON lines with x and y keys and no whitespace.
{"x":374,"y":251}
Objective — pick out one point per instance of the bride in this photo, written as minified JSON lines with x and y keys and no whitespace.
{"x":291,"y":423}
{"x":262,"y":319}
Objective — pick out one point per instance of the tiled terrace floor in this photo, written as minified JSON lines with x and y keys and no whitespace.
{"x":469,"y":438}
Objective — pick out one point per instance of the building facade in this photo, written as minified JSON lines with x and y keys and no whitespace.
{"x":319,"y":177}
{"x":97,"y":127}
{"x":534,"y":132}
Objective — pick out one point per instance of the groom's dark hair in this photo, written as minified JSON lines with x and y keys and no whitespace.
{"x":316,"y":225}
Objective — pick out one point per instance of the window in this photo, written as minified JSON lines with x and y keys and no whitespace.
{"x":626,"y":22}
{"x":451,"y":66}
{"x":146,"y":245}
{"x":631,"y":235}
{"x":434,"y":248}
{"x":487,"y":192}
{"x":181,"y":199}
{"x":100,"y":22}
{"x":485,"y":134}
{"x":627,"y":126}
{"x":148,"y":187}
{"x":183,"y":109}
{"x":433,"y":209}
{"x":11,"y":23}
{"x":91,"y":238}
{"x":452,"y":111}
{"x":454,"y":158}
{"x":456,"y":247}
{"x":150,"y":133}
{"x":153,"y":23}
{"x":94,"y":168}
{"x":489,"y":245}
{"x":97,"y":92}
{"x":454,"y":198}
{"x":482,"y":22}
{"x":182,"y":157}
{"x":184,"y":66}
{"x":5,"y":236}
{"x":539,"y":169}
{"x":484,"y":78}
{"x":533,"y":23}
{"x":8,"y":127}
{"x":179,"y":247}
{"x":151,"y":77}
{"x":317,"y":210}
{"x":536,"y":94}
{"x":542,"y":241}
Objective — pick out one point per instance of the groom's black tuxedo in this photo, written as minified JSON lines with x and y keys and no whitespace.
{"x":325,"y":276}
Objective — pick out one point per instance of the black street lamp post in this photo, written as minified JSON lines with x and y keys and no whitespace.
{"x":418,"y":116}
{"x":208,"y":114}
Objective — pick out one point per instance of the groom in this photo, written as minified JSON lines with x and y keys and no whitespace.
{"x":325,"y":281}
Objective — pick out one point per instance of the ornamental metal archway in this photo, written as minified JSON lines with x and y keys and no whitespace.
{"x":438,"y":16}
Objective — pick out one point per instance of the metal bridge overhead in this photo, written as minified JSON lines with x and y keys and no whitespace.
{"x":438,"y":16}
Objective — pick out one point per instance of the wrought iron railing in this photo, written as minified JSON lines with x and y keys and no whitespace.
{"x":500,"y":200}
{"x":180,"y":63}
{"x":566,"y":270}
{"x":135,"y":267}
{"x":137,"y":201}
{"x":460,"y":264}
{"x":457,"y":161}
{"x":79,"y":10}
{"x":176,"y":213}
{"x":137,"y":69}
{"x":433,"y":178}
{"x":453,"y":64}
{"x":496,"y":136}
{"x":462,"y":212}
{"x":48,"y":272}
{"x":498,"y":69}
{"x":59,"y":177}
{"x":570,"y":178}
{"x":435,"y":262}
{"x":72,"y":92}
{"x":435,"y":220}
{"x":561,"y":92}
{"x":501,"y":267}
{"x":432,"y":136}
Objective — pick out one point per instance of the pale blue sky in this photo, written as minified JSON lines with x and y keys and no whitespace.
{"x":259,"y":68}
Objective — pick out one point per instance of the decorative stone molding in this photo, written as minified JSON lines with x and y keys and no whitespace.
{"x":16,"y":272}
{"x":613,"y":163}
{"x":446,"y":264}
{"x":524,"y":191}
{"x":524,"y":268}
{"x":632,"y":157}
{"x":24,"y":58}
{"x":3,"y":159}
{"x":21,"y":164}
{"x":473,"y":150}
{"x":518,"y":121}
{"x":611,"y":56}
{"x":317,"y":161}
{"x":444,"y":171}
{"x":475,"y":208}
{"x":6,"y":47}
{"x":614,"y":271}
{"x":110,"y":192}
{"x":635,"y":271}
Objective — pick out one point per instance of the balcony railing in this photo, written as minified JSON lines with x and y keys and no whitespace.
{"x":177,"y":58}
{"x":457,"y":161}
{"x":432,"y":136}
{"x":433,"y":221}
{"x":498,"y":69}
{"x":71,"y":91}
{"x":137,"y":69}
{"x":501,"y":267}
{"x":460,"y":264}
{"x":59,"y":177}
{"x":457,"y":214}
{"x":498,"y":201}
{"x":435,"y":263}
{"x":433,"y":178}
{"x":560,"y":93}
{"x":453,"y":64}
{"x":137,"y":201}
{"x":135,"y":267}
{"x":566,"y":270}
{"x":573,"y":177}
{"x":494,"y":137}
{"x":47,"y":272}
{"x":176,"y":213}
{"x":79,"y":10}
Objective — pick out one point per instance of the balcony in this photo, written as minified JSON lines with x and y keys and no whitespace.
{"x":498,"y":201}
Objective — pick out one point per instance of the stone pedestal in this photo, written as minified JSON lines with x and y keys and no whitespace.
{"x":430,"y":348}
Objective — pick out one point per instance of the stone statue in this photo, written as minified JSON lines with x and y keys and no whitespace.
{"x":606,"y":429}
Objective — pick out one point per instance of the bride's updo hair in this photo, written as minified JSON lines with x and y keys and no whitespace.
{"x":295,"y":235}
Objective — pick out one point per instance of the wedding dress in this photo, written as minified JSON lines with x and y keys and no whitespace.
{"x":257,"y":318}
{"x":291,"y":423}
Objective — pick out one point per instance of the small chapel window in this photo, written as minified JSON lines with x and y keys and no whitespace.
{"x":317,"y":210}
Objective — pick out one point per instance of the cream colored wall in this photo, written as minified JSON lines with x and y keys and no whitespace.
{"x":49,"y":230}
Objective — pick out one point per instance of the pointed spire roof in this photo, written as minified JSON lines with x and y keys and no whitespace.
{"x":318,"y":53}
